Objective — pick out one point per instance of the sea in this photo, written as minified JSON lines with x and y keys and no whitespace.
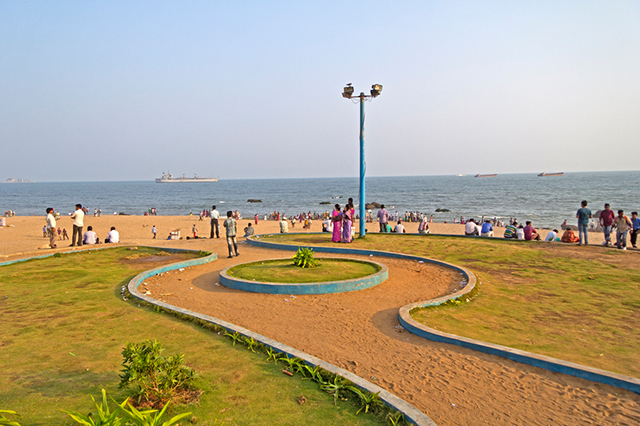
{"x":546,"y":201}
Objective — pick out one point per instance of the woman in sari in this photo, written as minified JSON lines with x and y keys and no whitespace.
{"x":336,"y":218}
{"x":347,"y":220}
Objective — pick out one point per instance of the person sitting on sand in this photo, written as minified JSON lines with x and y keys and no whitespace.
{"x":470,"y":228}
{"x":327,"y":226}
{"x":569,"y":237}
{"x":113,"y":236}
{"x":399,"y":229}
{"x":487,"y":229}
{"x":248,"y":231}
{"x":284,"y":226}
{"x":552,"y":235}
{"x":520,"y":232}
{"x":89,"y":237}
{"x":423,"y":228}
{"x":530,"y":232}
{"x":511,"y":230}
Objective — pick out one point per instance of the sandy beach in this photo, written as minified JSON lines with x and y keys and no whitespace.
{"x":23,"y":234}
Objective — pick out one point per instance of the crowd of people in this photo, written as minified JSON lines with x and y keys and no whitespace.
{"x":52,"y":231}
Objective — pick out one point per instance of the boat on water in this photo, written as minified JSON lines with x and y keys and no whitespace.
{"x":479,"y":175}
{"x":551,"y":174}
{"x":19,"y":180}
{"x":169,"y":178}
{"x":459,"y":175}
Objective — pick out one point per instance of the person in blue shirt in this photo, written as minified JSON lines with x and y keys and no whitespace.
{"x":583,"y":215}
{"x":636,"y":228}
{"x":487,"y":229}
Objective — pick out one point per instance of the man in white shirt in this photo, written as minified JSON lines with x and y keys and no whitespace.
{"x":399,"y":229}
{"x":51,"y":228}
{"x":89,"y":236}
{"x":78,"y":224}
{"x":113,"y":236}
{"x":215,"y":228}
{"x":470,"y":228}
{"x":552,"y":235}
{"x":284,"y":226}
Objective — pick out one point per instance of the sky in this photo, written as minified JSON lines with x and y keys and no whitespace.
{"x":124,"y":90}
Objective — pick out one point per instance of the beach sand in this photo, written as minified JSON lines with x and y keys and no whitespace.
{"x":452,"y":385}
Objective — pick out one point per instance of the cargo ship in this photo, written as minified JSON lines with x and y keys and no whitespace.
{"x":169,"y":178}
{"x":479,"y":175}
{"x":19,"y":180}
{"x":551,"y":174}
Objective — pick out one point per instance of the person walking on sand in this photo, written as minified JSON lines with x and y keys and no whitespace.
{"x":623,"y":224}
{"x":194,"y":230}
{"x":383,"y":217}
{"x":78,"y":224}
{"x":154,"y":231}
{"x":230,"y":224}
{"x":583,"y":214}
{"x":607,"y":216}
{"x":51,"y":227}
{"x":215,"y":228}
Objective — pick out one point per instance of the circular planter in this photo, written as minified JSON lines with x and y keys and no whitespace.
{"x":320,"y":287}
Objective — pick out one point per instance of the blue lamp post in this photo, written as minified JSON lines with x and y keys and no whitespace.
{"x":348,"y":93}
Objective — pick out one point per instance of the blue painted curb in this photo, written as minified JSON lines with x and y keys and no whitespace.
{"x":552,"y":364}
{"x":305,"y":288}
{"x":412,"y":414}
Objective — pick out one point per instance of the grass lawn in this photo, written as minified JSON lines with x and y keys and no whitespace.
{"x":284,"y":271}
{"x":580,"y":304}
{"x":64,"y":325}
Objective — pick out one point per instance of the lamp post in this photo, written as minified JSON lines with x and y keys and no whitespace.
{"x":348,"y":93}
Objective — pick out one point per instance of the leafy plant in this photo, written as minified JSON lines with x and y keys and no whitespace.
{"x":396,"y":419}
{"x":367,"y":400}
{"x":157,"y":378}
{"x":304,"y":258}
{"x":236,"y":337}
{"x":272,"y":355}
{"x":250,"y":342}
{"x":293,"y":364}
{"x":151,"y":417}
{"x":5,"y":421}
{"x":104,"y":417}
{"x":334,"y":388}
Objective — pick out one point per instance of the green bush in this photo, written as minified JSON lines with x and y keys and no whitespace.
{"x":158,"y":379}
{"x":304,"y":258}
{"x":6,"y":421}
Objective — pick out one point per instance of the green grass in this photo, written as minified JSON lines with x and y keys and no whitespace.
{"x":284,"y":271}
{"x":577,"y":304}
{"x":64,"y":325}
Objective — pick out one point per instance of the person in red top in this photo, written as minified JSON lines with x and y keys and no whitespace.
{"x":607,"y":216}
{"x":530,"y":232}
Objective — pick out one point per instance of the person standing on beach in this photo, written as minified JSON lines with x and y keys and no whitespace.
{"x":383,"y":217}
{"x":623,"y":224}
{"x":606,"y":221}
{"x":215,"y":228}
{"x":154,"y":231}
{"x":51,"y":228}
{"x":336,"y":218}
{"x":583,"y":214}
{"x":78,"y":224}
{"x":635,"y":220}
{"x":230,"y":224}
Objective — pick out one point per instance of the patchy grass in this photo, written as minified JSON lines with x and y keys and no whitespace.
{"x":580,"y":304}
{"x":63,"y":328}
{"x":284,"y":271}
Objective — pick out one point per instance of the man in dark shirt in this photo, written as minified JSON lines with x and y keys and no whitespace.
{"x":583,"y":214}
{"x":607,"y":217}
{"x":530,"y":232}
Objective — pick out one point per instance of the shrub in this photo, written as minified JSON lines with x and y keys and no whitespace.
{"x":304,"y":258}
{"x":157,"y":378}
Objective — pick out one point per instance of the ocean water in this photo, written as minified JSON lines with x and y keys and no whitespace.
{"x":546,"y":201}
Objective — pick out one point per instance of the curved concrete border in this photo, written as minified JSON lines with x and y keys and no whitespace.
{"x":306,"y":288}
{"x":530,"y":358}
{"x":412,"y":414}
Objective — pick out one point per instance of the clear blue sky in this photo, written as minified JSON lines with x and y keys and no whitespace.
{"x":124,"y":90}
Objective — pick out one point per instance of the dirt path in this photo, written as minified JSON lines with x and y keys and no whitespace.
{"x":357,"y":331}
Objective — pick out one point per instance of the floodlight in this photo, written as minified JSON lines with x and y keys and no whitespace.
{"x":348,"y":91}
{"x":376,"y":89}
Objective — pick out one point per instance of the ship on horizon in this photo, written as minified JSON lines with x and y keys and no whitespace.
{"x":551,"y":174}
{"x":492,"y":175}
{"x":169,"y":178}
{"x":19,"y":180}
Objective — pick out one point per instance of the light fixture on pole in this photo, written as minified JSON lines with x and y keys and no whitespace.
{"x":376,"y":89}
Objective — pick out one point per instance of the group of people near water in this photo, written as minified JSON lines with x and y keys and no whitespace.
{"x":341,"y":223}
{"x":77,"y":238}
